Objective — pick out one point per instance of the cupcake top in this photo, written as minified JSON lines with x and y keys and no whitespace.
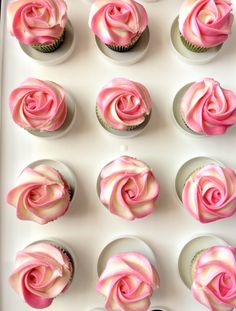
{"x":209,"y":194}
{"x":214,"y":278}
{"x":128,"y":188}
{"x":38,"y":21}
{"x":207,"y":108}
{"x":206,"y":23}
{"x":41,"y":194}
{"x":117,"y":22}
{"x":123,"y":104}
{"x":41,"y":273}
{"x":38,"y":105}
{"x":128,"y":282}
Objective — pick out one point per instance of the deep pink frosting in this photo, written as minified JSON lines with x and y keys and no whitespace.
{"x":210,"y":193}
{"x":37,"y":21}
{"x":128,"y":188}
{"x":38,"y":105}
{"x":41,"y":194}
{"x":206,"y":23}
{"x":123,"y":103}
{"x":207,"y":108}
{"x":41,"y":273}
{"x":128,"y":282}
{"x":214,"y":279}
{"x":117,"y":22}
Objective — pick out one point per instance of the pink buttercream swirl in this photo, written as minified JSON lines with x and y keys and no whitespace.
{"x":123,"y":103}
{"x":207,"y":108}
{"x":38,"y":105}
{"x":128,"y":282}
{"x":214,"y":279}
{"x":128,"y":188}
{"x":210,"y":193}
{"x":117,"y":22}
{"x":38,"y":21}
{"x":41,"y":273}
{"x":41,"y":194}
{"x":206,"y":23}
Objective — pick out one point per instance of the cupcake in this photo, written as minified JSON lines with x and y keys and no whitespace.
{"x":118,"y":24}
{"x":127,"y":282}
{"x":209,"y":193}
{"x":39,"y":23}
{"x":207,"y":108}
{"x":41,"y":194}
{"x":42,"y":271}
{"x":123,"y":107}
{"x":204,"y":24}
{"x":39,"y":106}
{"x":128,"y":188}
{"x":214,"y":277}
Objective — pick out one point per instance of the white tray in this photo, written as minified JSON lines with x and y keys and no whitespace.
{"x":88,"y":227}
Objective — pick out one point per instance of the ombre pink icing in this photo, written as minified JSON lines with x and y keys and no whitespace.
{"x":41,"y":194}
{"x":128,"y":282}
{"x":123,"y":103}
{"x":207,"y":108}
{"x":206,"y":23}
{"x":128,"y":188}
{"x":37,"y":21}
{"x":117,"y":22}
{"x":38,"y":105}
{"x":214,"y":280}
{"x":210,"y":193}
{"x":41,"y":273}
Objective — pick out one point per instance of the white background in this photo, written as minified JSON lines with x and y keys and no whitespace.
{"x":87,"y":226}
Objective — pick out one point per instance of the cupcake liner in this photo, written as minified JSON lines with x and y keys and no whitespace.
{"x":49,"y":48}
{"x":192,"y":47}
{"x":194,"y":261}
{"x":125,"y":48}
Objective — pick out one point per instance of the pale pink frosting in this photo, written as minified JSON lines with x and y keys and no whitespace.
{"x":206,"y":23}
{"x":41,"y":273}
{"x":41,"y":194}
{"x":207,"y":108}
{"x":214,"y":280}
{"x":128,"y":282}
{"x":210,"y":193}
{"x":37,"y":21}
{"x":38,"y":105}
{"x":117,"y":22}
{"x":128,"y":188}
{"x":123,"y":103}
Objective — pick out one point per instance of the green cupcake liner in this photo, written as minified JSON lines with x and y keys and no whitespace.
{"x":194,"y":261}
{"x":49,"y":48}
{"x":193,"y":47}
{"x":125,"y":48}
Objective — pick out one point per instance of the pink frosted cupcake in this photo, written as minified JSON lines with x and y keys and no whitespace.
{"x":39,"y":23}
{"x":118,"y":24}
{"x":128,"y":188}
{"x":39,"y":106}
{"x":127,"y":282}
{"x":123,"y":107}
{"x":41,"y":194}
{"x":204,"y":24}
{"x":43,"y":270}
{"x":207,"y":108}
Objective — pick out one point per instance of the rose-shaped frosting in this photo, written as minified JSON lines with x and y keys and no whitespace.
{"x":123,"y":103}
{"x":207,"y":108}
{"x":117,"y":22}
{"x":128,"y":188}
{"x":210,"y":193}
{"x":206,"y":23}
{"x":38,"y":105}
{"x":41,"y":194}
{"x":41,"y":273}
{"x":214,"y":279}
{"x":127,"y":282}
{"x":38,"y":21}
